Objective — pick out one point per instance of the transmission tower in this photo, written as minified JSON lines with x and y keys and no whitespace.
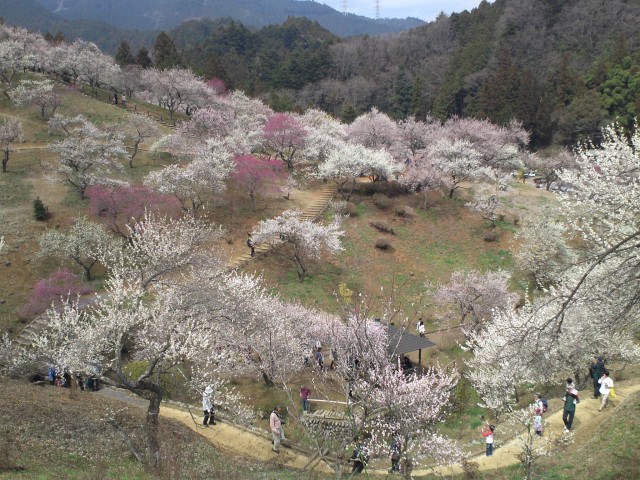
{"x":377,"y":9}
{"x":344,"y":6}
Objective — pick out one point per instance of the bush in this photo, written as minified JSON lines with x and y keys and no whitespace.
{"x":405,"y":211}
{"x":381,"y":226}
{"x":351,"y":210}
{"x":490,"y":237}
{"x":381,"y":201}
{"x":382,"y":243}
{"x":40,"y":212}
{"x":392,"y":189}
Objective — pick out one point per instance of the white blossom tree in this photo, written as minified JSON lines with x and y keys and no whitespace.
{"x":13,"y":59}
{"x":458,"y":161}
{"x":473,"y":296}
{"x":10,"y":132}
{"x":139,"y":129}
{"x":303,"y":239}
{"x":487,"y":202}
{"x":81,"y":244}
{"x":542,"y":250}
{"x":347,"y":162}
{"x":87,"y":154}
{"x":37,"y":92}
{"x":194,"y":183}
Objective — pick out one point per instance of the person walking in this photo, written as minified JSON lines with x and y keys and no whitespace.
{"x":275,"y":423}
{"x":595,"y":370}
{"x":320,"y":359}
{"x":570,"y":399}
{"x":208,"y":408}
{"x":360,"y":458}
{"x":538,"y":409}
{"x":394,"y":455}
{"x":421,"y":328}
{"x":487,"y":433}
{"x":124,"y":101}
{"x":304,"y":396}
{"x":606,"y":384}
{"x":115,"y":98}
{"x":251,"y":245}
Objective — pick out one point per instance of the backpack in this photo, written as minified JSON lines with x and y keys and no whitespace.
{"x":545,"y":405}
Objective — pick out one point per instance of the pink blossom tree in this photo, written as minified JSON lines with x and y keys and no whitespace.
{"x":257,"y":175}
{"x":122,"y":207}
{"x":60,"y":287}
{"x":498,"y":146}
{"x":284,"y":136}
{"x":375,"y":130}
{"x":422,"y":176}
{"x":302,"y":239}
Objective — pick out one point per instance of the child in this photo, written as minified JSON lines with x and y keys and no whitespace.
{"x":538,"y":408}
{"x":487,"y":433}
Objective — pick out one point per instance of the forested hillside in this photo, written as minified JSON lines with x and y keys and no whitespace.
{"x":562,"y":68}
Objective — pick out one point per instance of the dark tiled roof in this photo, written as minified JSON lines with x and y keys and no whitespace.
{"x":401,"y":341}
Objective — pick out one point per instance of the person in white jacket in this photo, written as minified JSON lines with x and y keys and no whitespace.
{"x":606,"y":384}
{"x":208,"y":408}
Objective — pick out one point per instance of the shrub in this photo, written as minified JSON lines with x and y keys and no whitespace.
{"x":382,"y":243}
{"x":381,"y":226}
{"x":53,"y":290}
{"x":351,"y":209}
{"x":40,"y":212}
{"x":490,"y":237}
{"x":381,"y":201}
{"x":392,"y":189}
{"x":405,"y":211}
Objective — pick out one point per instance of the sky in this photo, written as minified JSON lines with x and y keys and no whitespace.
{"x":426,"y":10}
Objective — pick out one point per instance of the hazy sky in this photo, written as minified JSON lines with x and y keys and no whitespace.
{"x":424,"y":9}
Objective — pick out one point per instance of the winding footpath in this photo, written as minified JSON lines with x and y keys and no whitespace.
{"x":255,"y":444}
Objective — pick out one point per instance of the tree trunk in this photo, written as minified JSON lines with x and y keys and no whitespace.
{"x":268,"y":381}
{"x":153,"y":438}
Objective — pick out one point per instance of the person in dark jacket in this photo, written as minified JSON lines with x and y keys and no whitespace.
{"x":596,"y":369}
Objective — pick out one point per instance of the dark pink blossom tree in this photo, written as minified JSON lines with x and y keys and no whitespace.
{"x":284,"y":136}
{"x":257,"y":175}
{"x":54,"y":290}
{"x":122,"y":207}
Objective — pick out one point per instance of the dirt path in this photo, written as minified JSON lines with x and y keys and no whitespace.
{"x":585,"y":423}
{"x":256,"y":445}
{"x":234,"y":439}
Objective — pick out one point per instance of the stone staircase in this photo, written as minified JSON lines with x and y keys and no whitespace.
{"x":311,"y":213}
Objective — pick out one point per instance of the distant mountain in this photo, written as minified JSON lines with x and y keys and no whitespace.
{"x":30,"y":14}
{"x":168,"y":14}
